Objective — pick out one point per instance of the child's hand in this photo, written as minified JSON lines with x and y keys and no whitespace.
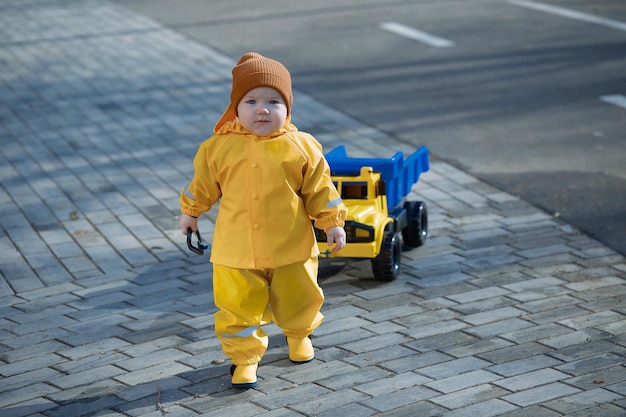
{"x":336,"y":235}
{"x":185,"y":222}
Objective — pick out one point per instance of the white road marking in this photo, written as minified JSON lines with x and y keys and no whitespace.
{"x":616,"y":99}
{"x":415,"y":34}
{"x":572,"y":14}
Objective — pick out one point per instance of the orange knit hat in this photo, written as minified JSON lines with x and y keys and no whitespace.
{"x":254,"y":70}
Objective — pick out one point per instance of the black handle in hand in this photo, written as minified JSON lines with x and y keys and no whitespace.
{"x":195,"y":249}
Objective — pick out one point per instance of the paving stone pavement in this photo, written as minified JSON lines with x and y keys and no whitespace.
{"x":505,"y":311}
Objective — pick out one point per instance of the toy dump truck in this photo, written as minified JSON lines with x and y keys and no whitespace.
{"x":379,"y":219}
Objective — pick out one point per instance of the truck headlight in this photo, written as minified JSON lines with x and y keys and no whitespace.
{"x":358,"y":232}
{"x":355,"y":233}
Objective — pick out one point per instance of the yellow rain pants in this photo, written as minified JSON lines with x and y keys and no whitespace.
{"x":249,"y":298}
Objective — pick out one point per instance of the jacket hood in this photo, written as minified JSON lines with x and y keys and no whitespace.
{"x":234,"y":126}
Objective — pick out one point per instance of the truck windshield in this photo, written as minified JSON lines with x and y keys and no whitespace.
{"x":354,"y":190}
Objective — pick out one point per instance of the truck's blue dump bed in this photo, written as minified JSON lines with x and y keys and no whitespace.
{"x":398,"y":173}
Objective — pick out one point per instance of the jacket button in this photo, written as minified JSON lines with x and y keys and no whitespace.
{"x":255,"y":197}
{"x":256,"y":227}
{"x":254,"y":165}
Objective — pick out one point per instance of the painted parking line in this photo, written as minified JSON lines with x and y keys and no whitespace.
{"x":418,"y":35}
{"x":616,"y":99}
{"x":572,"y":14}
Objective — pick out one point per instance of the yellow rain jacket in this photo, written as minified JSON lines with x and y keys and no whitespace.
{"x":269,"y":188}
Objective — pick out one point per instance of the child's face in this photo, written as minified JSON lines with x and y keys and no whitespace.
{"x":262,"y":111}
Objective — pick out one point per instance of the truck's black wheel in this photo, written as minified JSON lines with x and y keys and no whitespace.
{"x":415,"y":234}
{"x":386,"y":266}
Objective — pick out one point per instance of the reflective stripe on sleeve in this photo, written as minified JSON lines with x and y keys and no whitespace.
{"x":188,"y":194}
{"x":333,"y":203}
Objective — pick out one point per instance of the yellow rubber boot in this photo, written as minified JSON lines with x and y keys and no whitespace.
{"x":244,"y":376}
{"x":300,"y":350}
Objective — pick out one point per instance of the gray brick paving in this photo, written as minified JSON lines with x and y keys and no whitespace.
{"x":505,"y":311}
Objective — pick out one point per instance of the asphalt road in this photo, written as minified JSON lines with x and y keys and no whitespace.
{"x":514,"y":98}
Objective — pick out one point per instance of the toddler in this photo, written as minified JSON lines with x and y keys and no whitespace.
{"x":271,"y":180}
